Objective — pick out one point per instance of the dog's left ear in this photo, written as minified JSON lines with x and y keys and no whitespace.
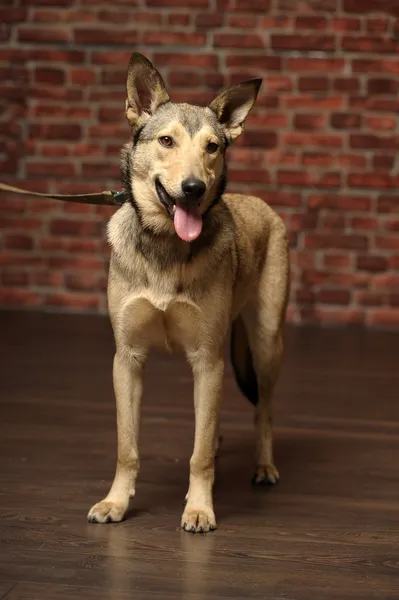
{"x":233,"y":104}
{"x":145,"y":88}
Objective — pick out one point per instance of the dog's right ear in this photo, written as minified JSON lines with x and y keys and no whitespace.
{"x":146,"y":90}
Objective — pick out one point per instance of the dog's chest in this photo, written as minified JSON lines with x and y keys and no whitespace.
{"x":157,"y":316}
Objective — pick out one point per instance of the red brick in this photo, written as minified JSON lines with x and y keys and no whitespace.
{"x":50,"y":169}
{"x":365,"y":298}
{"x":280,"y":198}
{"x":367,"y":6}
{"x":333,"y":221}
{"x":18,"y":241}
{"x":323,"y":65}
{"x":105,"y":36}
{"x":101,"y":170}
{"x":84,"y":282}
{"x":17,"y":297}
{"x":384,"y":317}
{"x":208,"y":19}
{"x":72,"y":301}
{"x":339,"y":261}
{"x":333,"y":296}
{"x":186,"y":59}
{"x":317,"y":159}
{"x":281,"y":157}
{"x":311,"y":22}
{"x":236,"y":40}
{"x":178,"y":3}
{"x":261,"y":6}
{"x":346,"y":24}
{"x":307,"y":179}
{"x":261,"y":139}
{"x":184,"y":78}
{"x":352,"y":160}
{"x":374,"y":103}
{"x":74,"y":227}
{"x":370,"y":44}
{"x":346,"y":84}
{"x":249,"y":176}
{"x":21,"y":224}
{"x":302,"y":42}
{"x":387,"y":242}
{"x":353,"y":203}
{"x":157,"y":38}
{"x":83,"y":76}
{"x":312,"y":139}
{"x":71,"y":245}
{"x":47,"y":279}
{"x":386,"y":282}
{"x":377,"y":24}
{"x":279,"y":83}
{"x":372,"y":141}
{"x":13,"y":15}
{"x":366,"y":223}
{"x":373,"y":180}
{"x":382,"y":123}
{"x":55,"y":131}
{"x":345,"y":120}
{"x":250,"y":156}
{"x":382,"y":85}
{"x":276,"y":22}
{"x":392,"y":225}
{"x":45,"y":35}
{"x":387,"y":204}
{"x":394,"y":300}
{"x":307,"y":101}
{"x":242,"y":21}
{"x":375,"y":65}
{"x":176,"y":18}
{"x":383,"y":162}
{"x":114,"y":77}
{"x":335,"y":278}
{"x":258,"y":61}
{"x":313,"y":84}
{"x":309,"y":121}
{"x":14,"y":278}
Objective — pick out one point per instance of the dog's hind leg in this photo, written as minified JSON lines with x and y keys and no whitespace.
{"x":127,"y":374}
{"x":264,"y":323}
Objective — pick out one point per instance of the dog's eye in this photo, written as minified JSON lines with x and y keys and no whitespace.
{"x":166,"y":141}
{"x":212,"y":148}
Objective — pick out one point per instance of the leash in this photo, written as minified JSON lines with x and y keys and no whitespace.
{"x":106,"y":198}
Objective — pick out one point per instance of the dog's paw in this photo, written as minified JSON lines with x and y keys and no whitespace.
{"x":266,"y":475}
{"x":198,"y":520}
{"x":107,"y":512}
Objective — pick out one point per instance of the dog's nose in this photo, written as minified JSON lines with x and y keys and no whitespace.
{"x":193,"y":188}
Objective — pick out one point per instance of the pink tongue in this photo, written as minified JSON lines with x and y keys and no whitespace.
{"x":188,"y":222}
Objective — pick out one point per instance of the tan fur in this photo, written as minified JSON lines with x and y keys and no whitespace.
{"x":178,"y":296}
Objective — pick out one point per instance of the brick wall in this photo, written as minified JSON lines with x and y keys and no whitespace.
{"x":321,"y":145}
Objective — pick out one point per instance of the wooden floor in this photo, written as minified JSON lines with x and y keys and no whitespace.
{"x":330,"y":529}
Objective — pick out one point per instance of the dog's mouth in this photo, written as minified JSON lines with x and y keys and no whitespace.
{"x":186,"y":216}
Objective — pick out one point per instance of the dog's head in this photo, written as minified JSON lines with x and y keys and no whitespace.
{"x":176,"y":165}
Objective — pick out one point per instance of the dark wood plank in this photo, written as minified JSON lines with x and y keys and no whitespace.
{"x":329,"y":530}
{"x":5,"y":588}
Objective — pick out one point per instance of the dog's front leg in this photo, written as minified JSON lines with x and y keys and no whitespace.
{"x":128,"y":385}
{"x":198,"y":516}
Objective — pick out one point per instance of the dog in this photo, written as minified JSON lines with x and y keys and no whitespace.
{"x":188,"y":263}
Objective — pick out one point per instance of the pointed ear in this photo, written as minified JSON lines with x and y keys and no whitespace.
{"x":233,"y":104}
{"x":145,"y":89}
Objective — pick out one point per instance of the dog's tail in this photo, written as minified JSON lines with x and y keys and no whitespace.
{"x":241,"y":359}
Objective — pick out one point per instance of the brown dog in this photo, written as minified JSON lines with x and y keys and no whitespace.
{"x":187,"y":262}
